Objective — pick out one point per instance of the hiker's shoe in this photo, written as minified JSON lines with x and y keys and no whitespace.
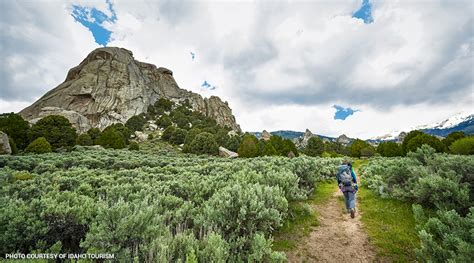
{"x":353,"y":212}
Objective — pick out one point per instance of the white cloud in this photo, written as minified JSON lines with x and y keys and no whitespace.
{"x":281,"y":65}
{"x":40,"y":42}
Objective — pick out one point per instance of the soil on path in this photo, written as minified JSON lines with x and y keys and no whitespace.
{"x":338,"y":238}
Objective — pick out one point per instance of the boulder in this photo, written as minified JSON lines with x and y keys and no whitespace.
{"x":223,"y":152}
{"x":4,"y":144}
{"x":109,"y":86}
{"x":141,"y":136}
{"x":291,"y":155}
{"x":232,"y":133}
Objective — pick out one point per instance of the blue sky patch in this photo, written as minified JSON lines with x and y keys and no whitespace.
{"x":208,"y":86}
{"x":342,"y":113}
{"x":365,"y":12}
{"x":94,"y":19}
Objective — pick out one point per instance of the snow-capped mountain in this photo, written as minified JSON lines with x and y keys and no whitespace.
{"x":392,"y":136}
{"x":463,"y":121}
{"x":450,"y":122}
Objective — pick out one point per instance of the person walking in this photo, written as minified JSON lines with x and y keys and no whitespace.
{"x":347,"y":181}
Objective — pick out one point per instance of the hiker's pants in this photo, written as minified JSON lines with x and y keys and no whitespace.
{"x":349,"y":196}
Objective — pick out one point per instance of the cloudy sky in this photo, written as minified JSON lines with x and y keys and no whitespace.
{"x":359,"y":67}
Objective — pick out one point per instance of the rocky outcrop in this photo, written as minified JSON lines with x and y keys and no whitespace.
{"x":266,"y":135}
{"x":141,"y":136}
{"x":302,"y":141}
{"x":80,"y":122}
{"x":401,"y":137}
{"x":4,"y":144}
{"x":344,"y":140}
{"x":223,"y":152}
{"x":109,"y":86}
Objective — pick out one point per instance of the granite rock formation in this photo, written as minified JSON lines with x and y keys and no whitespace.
{"x":4,"y":144}
{"x":109,"y":86}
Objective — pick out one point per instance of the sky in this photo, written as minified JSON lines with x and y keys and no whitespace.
{"x":362,"y":68}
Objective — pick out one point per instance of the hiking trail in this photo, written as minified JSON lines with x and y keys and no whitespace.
{"x":338,"y":238}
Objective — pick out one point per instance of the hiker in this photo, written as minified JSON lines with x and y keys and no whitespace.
{"x":347,"y":181}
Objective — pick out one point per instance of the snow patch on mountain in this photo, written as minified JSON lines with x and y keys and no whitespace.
{"x":444,"y":124}
{"x":450,"y":122}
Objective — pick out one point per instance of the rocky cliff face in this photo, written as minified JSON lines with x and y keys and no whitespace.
{"x":110,"y":86}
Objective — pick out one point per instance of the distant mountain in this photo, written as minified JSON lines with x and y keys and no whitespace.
{"x":465,"y":124}
{"x":284,"y":134}
{"x":287,"y":134}
{"x":460,"y":122}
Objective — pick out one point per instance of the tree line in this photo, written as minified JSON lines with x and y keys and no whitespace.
{"x":455,"y":143}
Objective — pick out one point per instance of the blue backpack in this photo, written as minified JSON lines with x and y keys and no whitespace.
{"x":344,"y":175}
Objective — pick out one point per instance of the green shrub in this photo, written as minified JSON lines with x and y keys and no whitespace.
{"x":133,"y":146}
{"x":181,"y":120}
{"x":164,"y":104}
{"x":111,"y":138}
{"x":94,"y":133}
{"x":434,"y":180}
{"x":356,"y":147}
{"x":233,"y":143}
{"x":167,"y":133}
{"x":289,"y":146}
{"x":463,"y":146}
{"x":136,"y":123}
{"x":57,"y":130}
{"x":22,"y":176}
{"x":446,"y":237}
{"x":422,"y":139}
{"x":178,"y":136}
{"x":221,"y":137}
{"x":408,"y":137}
{"x":40,"y":145}
{"x":335,"y":148}
{"x":84,"y":140}
{"x":16,"y":128}
{"x":249,"y":146}
{"x":192,"y":133}
{"x":389,"y":149}
{"x":204,"y":143}
{"x":233,"y":211}
{"x":268,"y":149}
{"x":12,"y":145}
{"x":164,"y":121}
{"x":452,"y":137}
{"x":119,"y":127}
{"x":368,"y":151}
{"x":315,"y":147}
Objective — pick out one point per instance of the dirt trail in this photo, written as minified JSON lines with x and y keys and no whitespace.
{"x":338,"y":238}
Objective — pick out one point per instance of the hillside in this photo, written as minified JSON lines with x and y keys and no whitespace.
{"x":109,"y":86}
